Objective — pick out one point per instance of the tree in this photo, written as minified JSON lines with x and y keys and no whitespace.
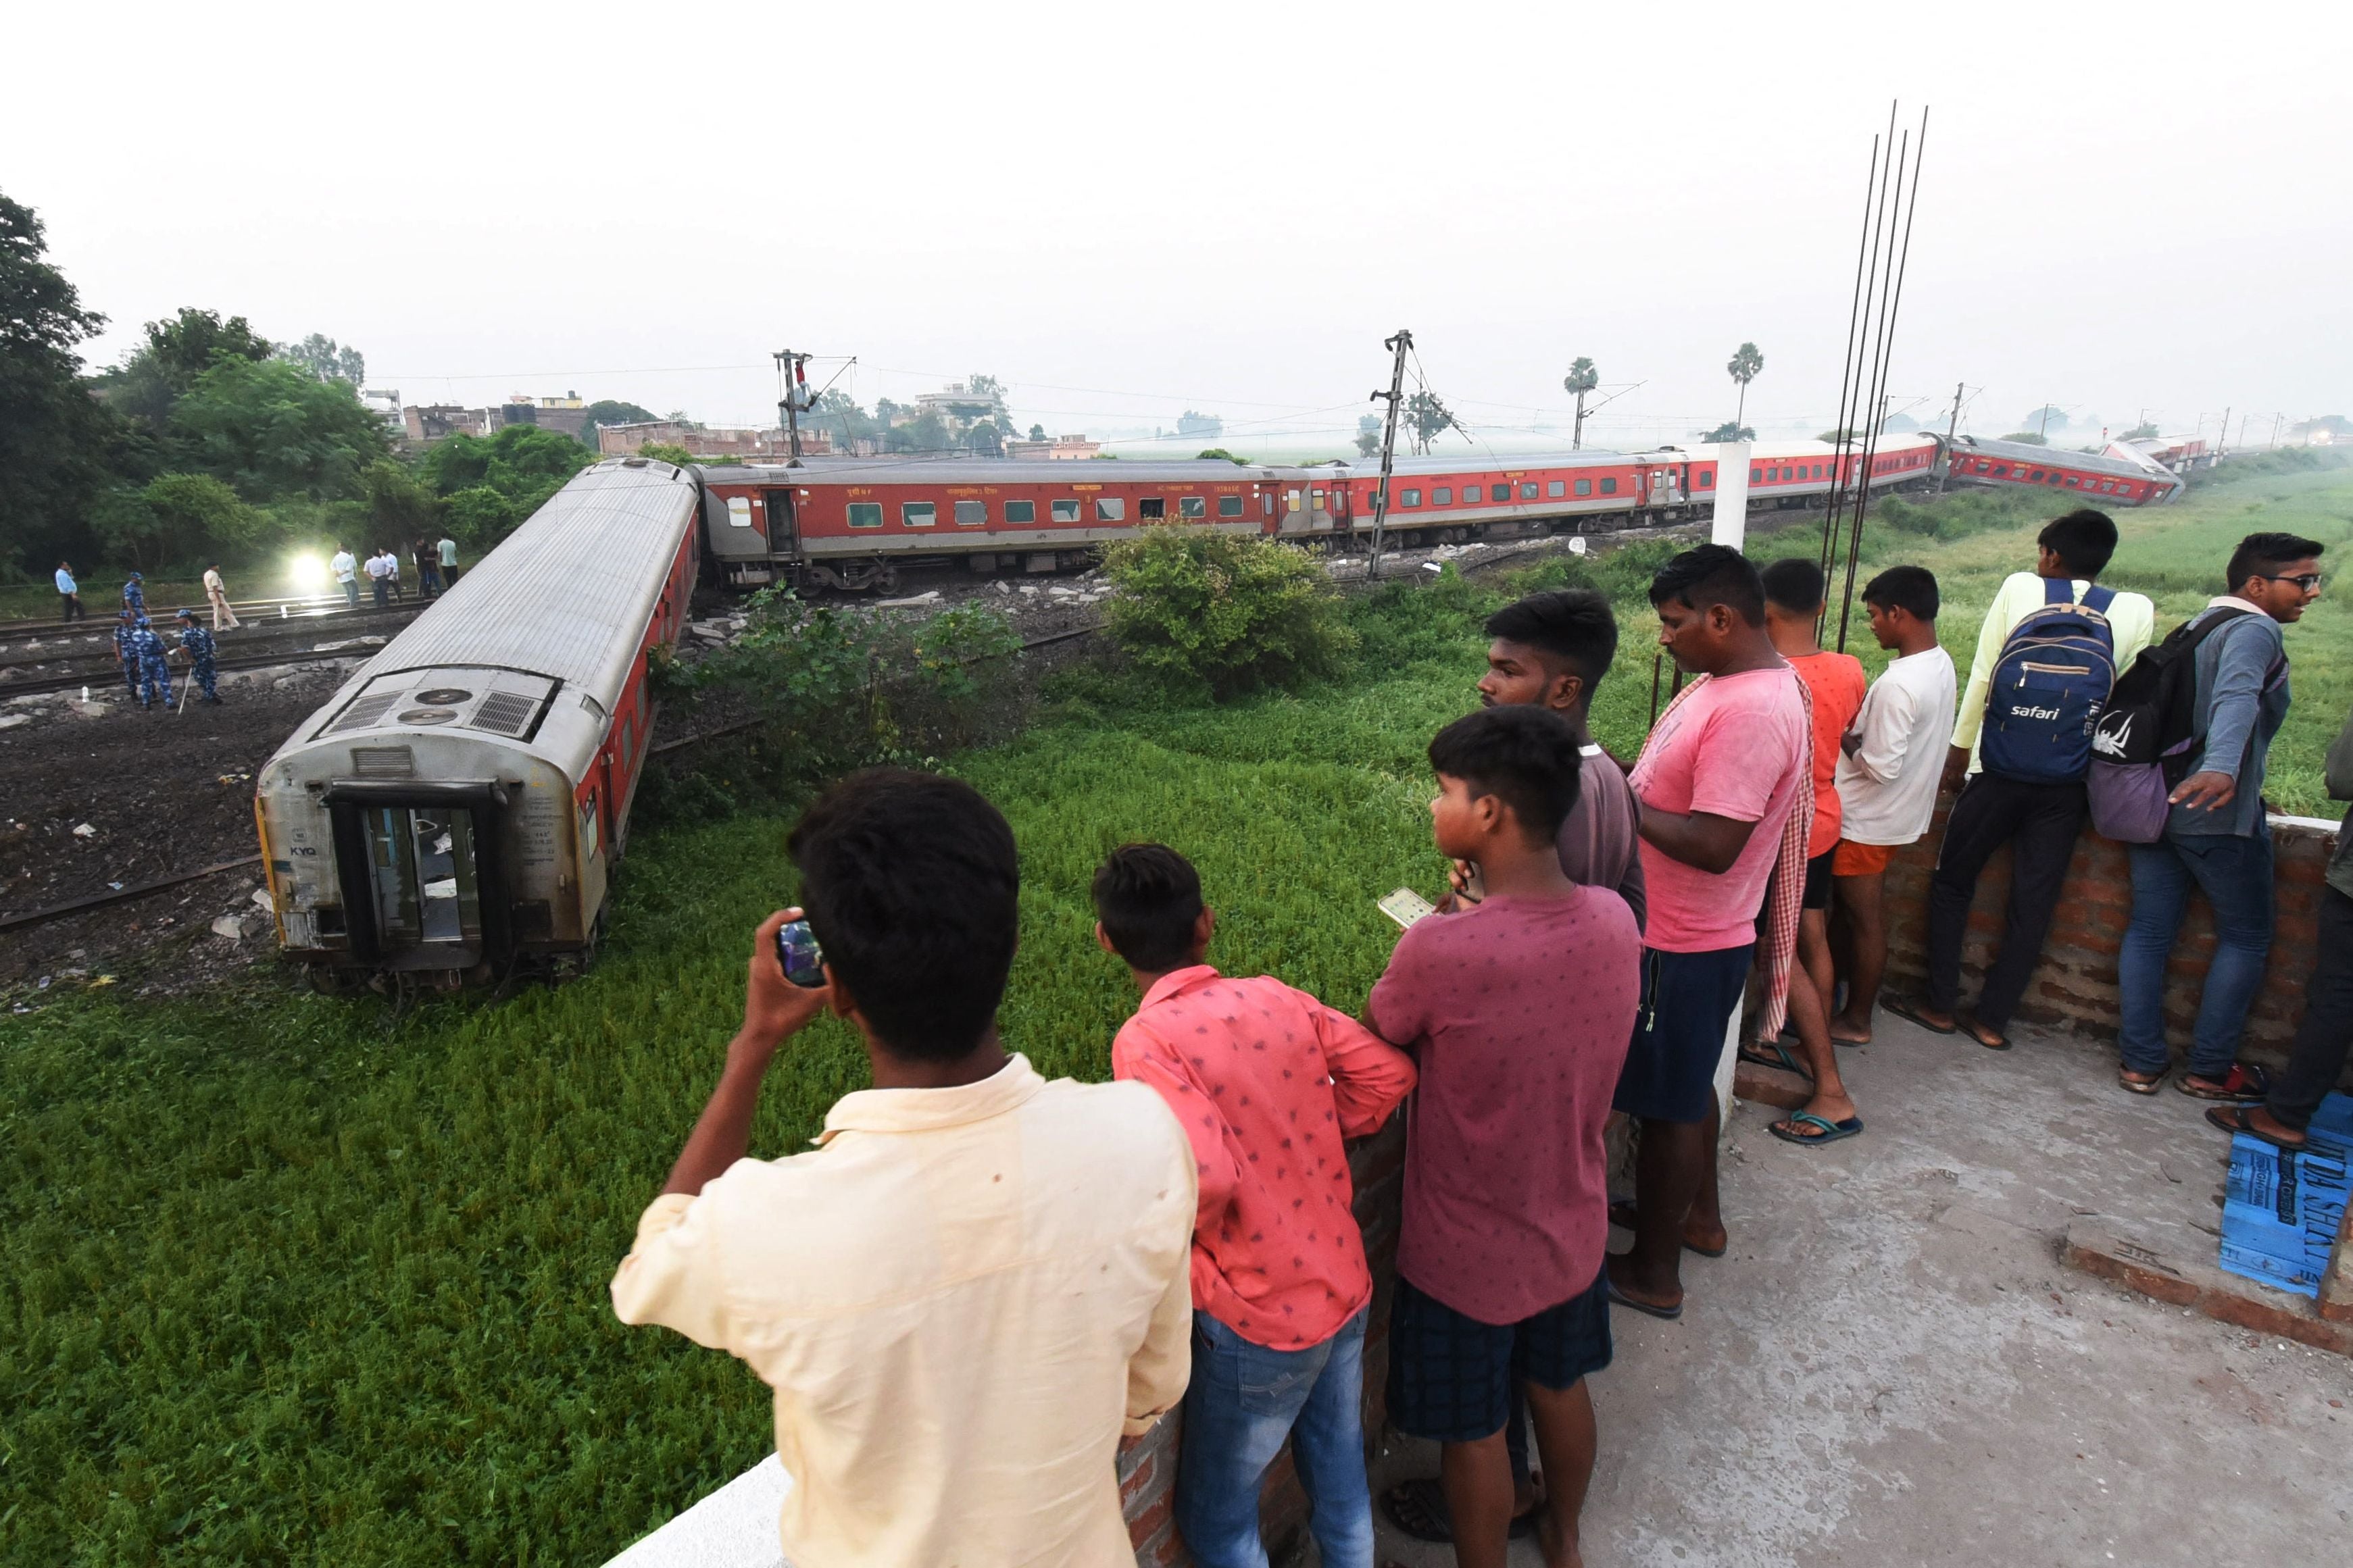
{"x":2045,"y":419}
{"x":985,"y":439}
{"x":2029,"y":437}
{"x":1191,"y":423}
{"x":1581,"y":379}
{"x":273,"y":430}
{"x":1368,"y":434}
{"x":178,"y":349}
{"x":1036,"y":432}
{"x":1428,"y":418}
{"x":1731,"y":430}
{"x":177,"y":518}
{"x":610,"y":411}
{"x":399,"y":506}
{"x":1221,"y":455}
{"x":1743,"y":367}
{"x":53,"y":438}
{"x":2139,"y":432}
{"x":324,"y":359}
{"x":665,"y":452}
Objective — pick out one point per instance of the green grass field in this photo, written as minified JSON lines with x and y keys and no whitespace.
{"x":291,"y":1280}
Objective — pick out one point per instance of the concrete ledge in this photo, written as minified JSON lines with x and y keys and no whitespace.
{"x":2202,"y":1285}
{"x":1771,"y":1086}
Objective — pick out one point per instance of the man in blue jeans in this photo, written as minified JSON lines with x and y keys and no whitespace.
{"x":2216,"y":835}
{"x":1266,"y":1082}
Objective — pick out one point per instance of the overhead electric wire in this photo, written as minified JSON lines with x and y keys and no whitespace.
{"x":1839,"y":429}
{"x":1894,"y":305}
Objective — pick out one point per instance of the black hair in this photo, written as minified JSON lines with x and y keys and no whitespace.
{"x":1527,"y":757}
{"x":2261,"y":553}
{"x":2083,"y":539}
{"x":1148,"y":898}
{"x":1573,"y":625}
{"x":912,"y":884}
{"x":1793,"y":583}
{"x":1912,"y":588}
{"x":1712,"y":574}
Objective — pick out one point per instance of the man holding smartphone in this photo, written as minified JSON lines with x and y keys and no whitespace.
{"x":979,"y":1279}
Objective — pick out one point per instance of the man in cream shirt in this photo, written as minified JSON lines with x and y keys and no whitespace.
{"x":979,"y":1279}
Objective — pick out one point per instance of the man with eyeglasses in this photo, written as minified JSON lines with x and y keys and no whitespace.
{"x":2216,"y":836}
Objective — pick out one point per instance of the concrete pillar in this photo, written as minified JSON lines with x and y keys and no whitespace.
{"x":1730,"y":527}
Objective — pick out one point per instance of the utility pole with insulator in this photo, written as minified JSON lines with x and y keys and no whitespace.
{"x":1394,"y":395}
{"x":793,"y":371}
{"x":1952,"y":429}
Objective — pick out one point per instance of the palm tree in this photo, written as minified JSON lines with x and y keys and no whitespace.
{"x":1581,"y":379}
{"x":1744,"y":364}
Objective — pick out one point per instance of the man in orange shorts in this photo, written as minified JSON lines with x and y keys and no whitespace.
{"x":1887,"y":774}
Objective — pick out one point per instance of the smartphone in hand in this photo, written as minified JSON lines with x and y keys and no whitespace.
{"x":1404,"y":906}
{"x":797,"y":953}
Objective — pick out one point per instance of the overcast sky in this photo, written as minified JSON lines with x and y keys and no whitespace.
{"x":1125,"y":211}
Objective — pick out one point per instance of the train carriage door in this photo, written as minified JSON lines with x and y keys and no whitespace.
{"x":783,"y":522}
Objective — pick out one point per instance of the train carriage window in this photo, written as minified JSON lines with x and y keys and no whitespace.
{"x":2036,"y":477}
{"x":1528,"y":489}
{"x":1707,"y":479}
{"x":1021,"y":511}
{"x":1192,"y":506}
{"x":1471,"y":494}
{"x":739,"y":512}
{"x":865,"y":514}
{"x":1152,"y":508}
{"x":1609,"y":487}
{"x":589,"y":818}
{"x":919,"y":513}
{"x":1585,"y":487}
{"x":1442,"y":496}
{"x":1755,"y":475}
{"x":2073,"y":482}
{"x":1230,"y":506}
{"x":1499,"y":492}
{"x":1410,"y":498}
{"x":1066,"y":510}
{"x":2108,"y":485}
{"x":1111,"y":509}
{"x":1555,"y":489}
{"x":971,"y":513}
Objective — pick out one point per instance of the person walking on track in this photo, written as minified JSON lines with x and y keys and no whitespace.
{"x":154,"y":674}
{"x":126,"y":655}
{"x":70,"y":594}
{"x":134,"y":595}
{"x":223,"y":619}
{"x":347,"y":574}
{"x":448,"y":548}
{"x":202,"y":651}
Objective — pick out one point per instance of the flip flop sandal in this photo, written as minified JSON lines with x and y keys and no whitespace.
{"x":1831,"y":1132}
{"x":1903,"y":1008}
{"x":1419,"y":1507}
{"x":1623,"y":1216}
{"x":2233,"y":1119}
{"x":1999,"y":1043}
{"x":1753,"y":1054}
{"x":2243,"y":1085}
{"x":1665,"y":1314}
{"x":2125,"y":1080}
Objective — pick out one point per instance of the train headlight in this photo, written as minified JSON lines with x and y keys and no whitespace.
{"x":307,"y":574}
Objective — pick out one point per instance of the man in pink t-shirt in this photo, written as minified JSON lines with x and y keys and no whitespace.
{"x":1266,"y":1082}
{"x":1516,"y":1011}
{"x":1718,"y":779}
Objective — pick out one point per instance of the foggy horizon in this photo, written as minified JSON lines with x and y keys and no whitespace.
{"x":1221,"y":209}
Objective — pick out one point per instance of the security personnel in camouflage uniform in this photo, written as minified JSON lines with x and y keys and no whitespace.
{"x":154,"y":674}
{"x":134,"y":597}
{"x":125,"y":654}
{"x":198,"y":644}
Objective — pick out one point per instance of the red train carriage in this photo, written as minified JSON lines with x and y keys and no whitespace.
{"x":2101,"y":481}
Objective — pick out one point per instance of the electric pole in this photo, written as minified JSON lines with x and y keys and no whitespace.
{"x":1395,"y":396}
{"x":2222,"y":437}
{"x":792,"y":372}
{"x":1952,"y":427}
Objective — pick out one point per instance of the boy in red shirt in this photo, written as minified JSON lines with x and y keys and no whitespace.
{"x":1793,"y":607}
{"x":1518,"y":1012}
{"x":1266,"y":1082}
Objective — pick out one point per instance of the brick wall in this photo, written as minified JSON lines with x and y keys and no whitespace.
{"x":1148,"y":1465}
{"x":2075,"y":984}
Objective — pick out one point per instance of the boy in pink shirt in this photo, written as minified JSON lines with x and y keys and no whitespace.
{"x":1267,"y":1083}
{"x":1517,"y":1012}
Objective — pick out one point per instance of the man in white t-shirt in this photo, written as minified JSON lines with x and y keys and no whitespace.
{"x":379,"y":571}
{"x":1887,"y":774}
{"x":347,"y":574}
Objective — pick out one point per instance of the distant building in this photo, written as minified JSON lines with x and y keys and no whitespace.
{"x":958,"y":406}
{"x":427,"y":423}
{"x":386,"y":405}
{"x":1061,"y":447}
{"x":1191,"y":425}
{"x":567,"y":414}
{"x":738,"y":443}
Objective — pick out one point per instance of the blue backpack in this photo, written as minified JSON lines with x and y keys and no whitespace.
{"x":2053,"y":677}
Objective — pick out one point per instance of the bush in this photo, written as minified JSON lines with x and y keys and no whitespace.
{"x":1222,"y":612}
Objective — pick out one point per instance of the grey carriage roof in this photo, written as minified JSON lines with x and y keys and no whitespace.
{"x":566,"y":595}
{"x":2051,"y":457}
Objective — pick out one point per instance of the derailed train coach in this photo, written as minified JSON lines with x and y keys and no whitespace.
{"x":455,"y":807}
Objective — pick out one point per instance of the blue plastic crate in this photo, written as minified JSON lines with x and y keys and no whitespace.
{"x":2333,"y":1121}
{"x":2282,"y":1210}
